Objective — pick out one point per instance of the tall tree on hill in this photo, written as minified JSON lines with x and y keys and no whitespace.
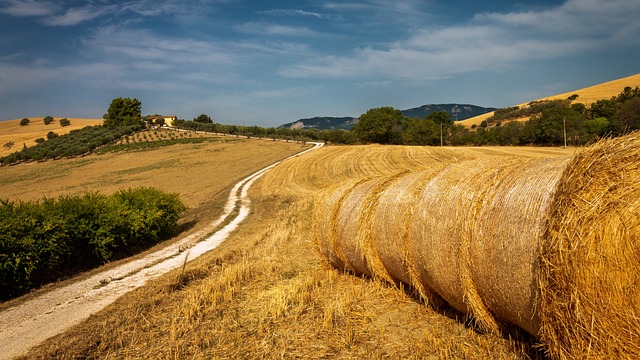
{"x":123,"y":111}
{"x":381,"y":125}
{"x":203,"y":118}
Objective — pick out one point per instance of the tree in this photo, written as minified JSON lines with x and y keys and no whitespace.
{"x":379,"y":125}
{"x":123,"y":111}
{"x":47,"y":120}
{"x":421,"y":132}
{"x":65,"y":122}
{"x":52,"y":135}
{"x":628,"y":117}
{"x":24,"y":122}
{"x":203,"y":118}
{"x":39,"y":140}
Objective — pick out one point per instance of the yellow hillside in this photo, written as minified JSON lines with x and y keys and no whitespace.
{"x":585,"y":96}
{"x":11,"y":130}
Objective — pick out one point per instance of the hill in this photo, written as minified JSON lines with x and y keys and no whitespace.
{"x":457,"y":111}
{"x":10,"y":130}
{"x":586,"y":96}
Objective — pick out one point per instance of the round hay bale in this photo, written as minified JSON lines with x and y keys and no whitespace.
{"x":327,"y":205}
{"x":392,"y":224}
{"x":589,"y":278}
{"x":505,"y":243}
{"x":443,"y":230}
{"x":349,"y":226}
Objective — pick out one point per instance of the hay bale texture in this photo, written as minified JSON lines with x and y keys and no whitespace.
{"x":549,"y":245}
{"x":590,"y":256}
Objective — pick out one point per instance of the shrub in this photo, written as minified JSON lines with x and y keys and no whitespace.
{"x":55,"y":238}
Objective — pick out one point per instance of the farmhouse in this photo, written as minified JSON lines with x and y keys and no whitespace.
{"x":160,"y":120}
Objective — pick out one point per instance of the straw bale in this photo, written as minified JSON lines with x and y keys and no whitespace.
{"x":327,"y":207}
{"x":506,"y":238}
{"x":367,"y":235}
{"x":443,"y":232}
{"x":392,"y":224}
{"x":350,"y":217}
{"x":589,"y":279}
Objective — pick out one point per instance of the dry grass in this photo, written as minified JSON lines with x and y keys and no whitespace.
{"x":10,"y":130}
{"x":586,"y":96}
{"x":265,"y":293}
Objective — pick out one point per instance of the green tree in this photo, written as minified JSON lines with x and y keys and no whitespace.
{"x":628,"y":117}
{"x":39,"y":140}
{"x":47,"y":120}
{"x":421,"y":132}
{"x":24,"y":122}
{"x":379,"y":125}
{"x":123,"y":111}
{"x":52,"y":135}
{"x":203,"y":118}
{"x":65,"y":122}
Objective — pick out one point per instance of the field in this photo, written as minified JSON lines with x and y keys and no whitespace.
{"x":11,"y":130}
{"x":586,"y":96}
{"x":266,"y":292}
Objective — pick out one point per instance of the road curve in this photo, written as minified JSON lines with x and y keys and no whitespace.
{"x":28,"y":324}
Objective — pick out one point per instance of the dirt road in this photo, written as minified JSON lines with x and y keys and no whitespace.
{"x":31,"y":322}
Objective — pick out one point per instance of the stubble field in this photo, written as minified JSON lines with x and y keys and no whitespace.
{"x":266,"y":292}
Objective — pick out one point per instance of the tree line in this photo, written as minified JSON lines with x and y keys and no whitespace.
{"x":550,"y":123}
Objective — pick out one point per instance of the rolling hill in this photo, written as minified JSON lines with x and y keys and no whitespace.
{"x":586,"y":96}
{"x":11,"y":131}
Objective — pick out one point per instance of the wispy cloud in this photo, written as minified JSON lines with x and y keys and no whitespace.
{"x":264,"y":28}
{"x":489,"y":41}
{"x":28,"y":7}
{"x":292,"y":12}
{"x":76,"y":16}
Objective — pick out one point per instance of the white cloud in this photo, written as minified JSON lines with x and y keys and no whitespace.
{"x":76,"y":16}
{"x":263,"y":28}
{"x":28,"y":7}
{"x":488,"y":42}
{"x":292,"y":12}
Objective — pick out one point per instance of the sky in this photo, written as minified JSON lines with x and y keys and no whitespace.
{"x":268,"y":63}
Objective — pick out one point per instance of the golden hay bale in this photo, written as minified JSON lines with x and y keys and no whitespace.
{"x":506,"y":238}
{"x":589,"y":280}
{"x":443,"y":227}
{"x":327,"y":206}
{"x":391,"y":229}
{"x":350,"y":218}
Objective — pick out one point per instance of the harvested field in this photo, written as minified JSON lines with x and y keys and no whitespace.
{"x":264,"y":293}
{"x":548,"y":245}
{"x":10,"y":130}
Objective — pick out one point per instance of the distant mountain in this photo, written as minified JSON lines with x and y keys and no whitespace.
{"x":323,"y":123}
{"x":457,"y":111}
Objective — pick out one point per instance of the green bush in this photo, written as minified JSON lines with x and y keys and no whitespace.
{"x":52,"y":239}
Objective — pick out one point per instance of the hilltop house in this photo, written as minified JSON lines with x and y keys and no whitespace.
{"x":160,"y":120}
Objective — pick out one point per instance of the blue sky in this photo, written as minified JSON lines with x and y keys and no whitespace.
{"x":271,"y":62}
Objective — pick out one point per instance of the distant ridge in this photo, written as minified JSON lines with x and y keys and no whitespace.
{"x":457,"y":111}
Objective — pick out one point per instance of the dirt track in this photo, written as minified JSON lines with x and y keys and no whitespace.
{"x":28,"y":324}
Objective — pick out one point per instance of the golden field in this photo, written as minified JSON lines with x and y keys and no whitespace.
{"x":266,"y":292}
{"x":10,"y":130}
{"x":586,"y":96}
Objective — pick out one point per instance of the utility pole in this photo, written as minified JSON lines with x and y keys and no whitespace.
{"x":564,"y":129}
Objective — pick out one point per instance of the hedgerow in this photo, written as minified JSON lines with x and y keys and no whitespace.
{"x":44,"y":241}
